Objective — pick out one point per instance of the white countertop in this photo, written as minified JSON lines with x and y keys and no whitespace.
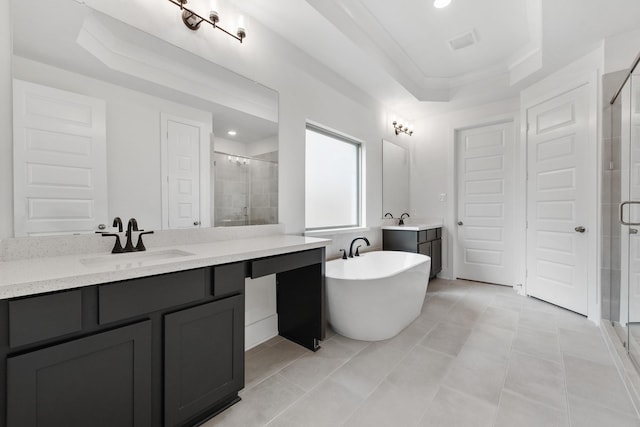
{"x":413,"y":227}
{"x":39,"y":275}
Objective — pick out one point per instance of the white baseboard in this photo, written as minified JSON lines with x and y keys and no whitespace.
{"x":260,"y":331}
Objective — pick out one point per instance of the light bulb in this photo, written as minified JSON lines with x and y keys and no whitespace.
{"x":439,"y":4}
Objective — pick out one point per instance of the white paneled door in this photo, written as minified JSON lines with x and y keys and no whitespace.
{"x":485,"y":204}
{"x":557,"y":199}
{"x":185,"y":160}
{"x":59,"y":161}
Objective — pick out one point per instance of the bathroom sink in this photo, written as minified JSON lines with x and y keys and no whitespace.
{"x":133,"y":259}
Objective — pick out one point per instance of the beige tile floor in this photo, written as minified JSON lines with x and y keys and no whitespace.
{"x":479,"y":355}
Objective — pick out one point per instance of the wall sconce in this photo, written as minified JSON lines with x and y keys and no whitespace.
{"x":192,"y":20}
{"x":399,"y":127}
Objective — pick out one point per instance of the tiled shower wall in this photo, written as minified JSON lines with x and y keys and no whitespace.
{"x":246,"y":190}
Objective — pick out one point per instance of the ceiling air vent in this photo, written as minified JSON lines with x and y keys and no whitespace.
{"x":463,"y":40}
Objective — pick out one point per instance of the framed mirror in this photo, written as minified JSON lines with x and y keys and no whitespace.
{"x":111,"y":121}
{"x":395,"y":178}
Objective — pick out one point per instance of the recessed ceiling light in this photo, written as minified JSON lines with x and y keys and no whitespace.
{"x":439,"y":4}
{"x":232,"y":133}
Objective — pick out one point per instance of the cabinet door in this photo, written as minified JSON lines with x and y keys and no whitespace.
{"x":425,"y":249}
{"x":100,"y":380}
{"x":204,"y":358}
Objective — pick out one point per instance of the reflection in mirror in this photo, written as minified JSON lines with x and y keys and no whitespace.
{"x":395,"y":179}
{"x":111,"y":121}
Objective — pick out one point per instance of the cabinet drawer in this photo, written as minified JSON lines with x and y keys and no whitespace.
{"x":280,"y":263}
{"x":228,"y":278}
{"x":140,"y":296}
{"x":431,"y":234}
{"x":422,"y":236}
{"x":43,"y":317}
{"x":438,"y":233}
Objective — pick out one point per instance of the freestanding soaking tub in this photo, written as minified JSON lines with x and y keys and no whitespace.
{"x":376,"y":295}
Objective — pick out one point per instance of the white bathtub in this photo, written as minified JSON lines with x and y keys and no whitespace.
{"x":376,"y":295}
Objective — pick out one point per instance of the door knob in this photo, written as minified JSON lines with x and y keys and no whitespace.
{"x":460,"y":223}
{"x":101,"y":226}
{"x":580,"y":229}
{"x":196,"y":223}
{"x":633,"y":231}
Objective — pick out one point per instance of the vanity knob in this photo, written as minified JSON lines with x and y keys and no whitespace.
{"x":460,"y":223}
{"x":101,"y":226}
{"x":196,"y":223}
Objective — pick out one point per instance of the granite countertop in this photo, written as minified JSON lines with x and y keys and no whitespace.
{"x":414,"y":227}
{"x":39,"y":275}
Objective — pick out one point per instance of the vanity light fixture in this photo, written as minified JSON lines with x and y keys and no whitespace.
{"x":192,"y":20}
{"x":439,"y":4}
{"x":232,"y":133}
{"x":400,"y":128}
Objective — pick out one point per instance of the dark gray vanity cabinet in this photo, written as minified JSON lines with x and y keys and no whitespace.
{"x":426,"y":242}
{"x":164,"y":350}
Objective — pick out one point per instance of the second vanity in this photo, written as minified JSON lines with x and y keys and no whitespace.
{"x":424,"y":239}
{"x":145,"y":339}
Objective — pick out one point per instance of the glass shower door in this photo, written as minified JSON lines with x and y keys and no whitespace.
{"x":630,"y":212}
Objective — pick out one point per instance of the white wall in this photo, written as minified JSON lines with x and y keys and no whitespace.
{"x":133,"y":138}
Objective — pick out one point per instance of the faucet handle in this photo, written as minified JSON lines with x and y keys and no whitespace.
{"x":344,"y":253}
{"x":140,"y":245}
{"x":358,"y":250}
{"x":117,"y":247}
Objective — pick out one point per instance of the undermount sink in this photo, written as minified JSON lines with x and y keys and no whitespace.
{"x":133,"y":259}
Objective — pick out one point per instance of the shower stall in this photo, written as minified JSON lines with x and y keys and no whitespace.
{"x":621,"y":207}
{"x":245,"y":189}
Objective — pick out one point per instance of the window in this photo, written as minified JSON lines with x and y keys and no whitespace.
{"x":332,"y":185}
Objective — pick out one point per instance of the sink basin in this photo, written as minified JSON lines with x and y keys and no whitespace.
{"x":133,"y":259}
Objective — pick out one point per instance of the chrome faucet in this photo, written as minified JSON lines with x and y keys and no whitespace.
{"x":401,"y":221}
{"x":355,"y":240}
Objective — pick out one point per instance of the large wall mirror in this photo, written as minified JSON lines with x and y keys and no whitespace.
{"x":111,"y":121}
{"x":395,"y":178}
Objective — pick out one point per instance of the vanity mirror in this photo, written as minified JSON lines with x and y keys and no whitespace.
{"x":395,"y":179}
{"x":111,"y":121}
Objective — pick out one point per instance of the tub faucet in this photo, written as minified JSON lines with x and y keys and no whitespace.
{"x":344,"y":253}
{"x":401,"y":221}
{"x":355,"y":240}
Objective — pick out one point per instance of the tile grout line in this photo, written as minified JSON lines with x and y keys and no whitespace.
{"x":506,"y":374}
{"x":312,"y":388}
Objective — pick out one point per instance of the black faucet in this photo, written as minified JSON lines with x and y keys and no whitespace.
{"x":117,"y":222}
{"x":131,"y":226}
{"x":344,"y":253}
{"x":401,"y":221}
{"x":355,"y":240}
{"x":389,"y":215}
